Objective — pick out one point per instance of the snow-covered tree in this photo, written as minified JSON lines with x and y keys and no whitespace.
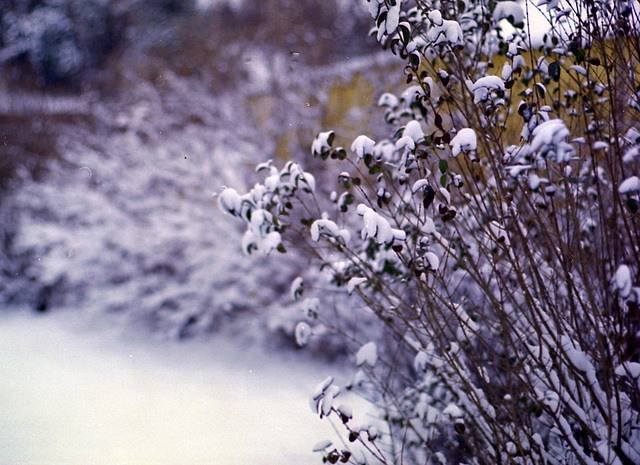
{"x":494,"y":237}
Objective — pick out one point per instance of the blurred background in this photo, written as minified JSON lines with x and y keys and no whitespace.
{"x":121,"y":119}
{"x":132,"y":327}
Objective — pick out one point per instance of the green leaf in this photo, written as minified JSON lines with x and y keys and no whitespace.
{"x":368,"y":158}
{"x":443,"y":180}
{"x":348,"y":199}
{"x":443,"y":165}
{"x":632,"y":205}
{"x":414,"y":60}
{"x":330,"y":138}
{"x":554,"y":71}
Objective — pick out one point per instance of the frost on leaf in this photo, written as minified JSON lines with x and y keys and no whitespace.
{"x":465,"y":140}
{"x":630,"y":185}
{"x":303,"y":333}
{"x":368,"y":354}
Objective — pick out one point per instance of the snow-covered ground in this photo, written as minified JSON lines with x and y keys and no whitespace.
{"x":74,"y":395}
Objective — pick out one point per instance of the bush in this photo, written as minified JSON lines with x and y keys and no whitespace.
{"x":501,"y":266}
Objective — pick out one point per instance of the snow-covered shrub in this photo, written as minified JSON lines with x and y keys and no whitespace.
{"x":503,"y":266}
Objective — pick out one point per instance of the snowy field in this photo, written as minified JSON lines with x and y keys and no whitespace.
{"x":72,"y":395}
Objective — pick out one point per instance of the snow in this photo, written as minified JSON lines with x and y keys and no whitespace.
{"x":600,"y":145}
{"x":377,"y":227}
{"x":419,"y":184}
{"x":345,"y":410}
{"x":432,"y":260}
{"x":321,"y":143}
{"x":303,"y":333}
{"x":321,"y":445}
{"x":622,"y":281}
{"x":508,"y":9}
{"x":453,"y":411}
{"x":448,"y":31}
{"x":631,"y":369}
{"x":297,"y":287}
{"x":388,"y":100}
{"x":630,"y":185}
{"x":368,"y":354}
{"x":322,"y":387}
{"x":436,"y":17}
{"x":484,"y":85}
{"x":393,"y":18}
{"x":353,"y":283}
{"x":362,"y":145}
{"x":328,"y":228}
{"x":76,"y":394}
{"x":465,"y":140}
{"x":229,"y":200}
{"x":413,"y":131}
{"x":507,"y":70}
{"x":549,"y":136}
{"x":579,"y":69}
